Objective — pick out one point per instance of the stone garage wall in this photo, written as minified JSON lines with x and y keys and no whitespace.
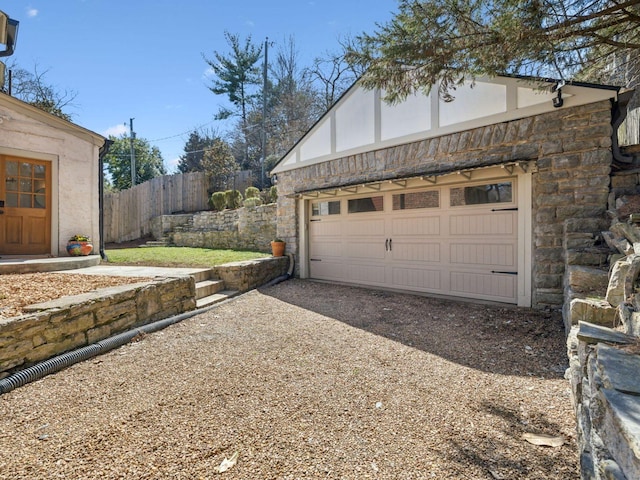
{"x":72,"y":322}
{"x":571,"y":147}
{"x":246,"y":228}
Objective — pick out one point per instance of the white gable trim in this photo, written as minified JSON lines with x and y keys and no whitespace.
{"x":361,"y":121}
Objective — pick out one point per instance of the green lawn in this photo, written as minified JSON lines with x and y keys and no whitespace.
{"x":178,"y":256}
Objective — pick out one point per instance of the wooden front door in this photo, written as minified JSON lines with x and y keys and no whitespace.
{"x":25,"y":206}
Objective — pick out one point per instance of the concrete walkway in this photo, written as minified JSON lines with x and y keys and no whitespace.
{"x":86,"y":265}
{"x":134,"y":271}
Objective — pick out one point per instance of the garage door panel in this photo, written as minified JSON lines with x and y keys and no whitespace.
{"x":325,"y":229}
{"x":415,"y":225}
{"x":484,"y":285}
{"x":363,"y":249}
{"x":493,"y":223}
{"x":371,"y":274}
{"x":416,"y":252}
{"x":362,"y":228}
{"x":326,"y":248}
{"x":327,"y":270}
{"x":496,"y":254}
{"x":417,"y":278}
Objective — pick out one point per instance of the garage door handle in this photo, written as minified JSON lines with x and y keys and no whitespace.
{"x":505,"y":273}
{"x":504,"y":209}
{"x":386,"y":244}
{"x":390,"y":244}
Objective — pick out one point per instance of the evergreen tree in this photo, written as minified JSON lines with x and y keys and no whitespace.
{"x":236,"y":73}
{"x":194,"y":149}
{"x":447,"y":42}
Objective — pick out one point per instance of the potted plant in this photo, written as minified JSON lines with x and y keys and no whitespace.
{"x":79,"y":245}
{"x":277,"y":247}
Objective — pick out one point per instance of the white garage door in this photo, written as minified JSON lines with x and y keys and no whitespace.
{"x":456,"y":240}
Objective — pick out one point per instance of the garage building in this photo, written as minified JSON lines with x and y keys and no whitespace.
{"x":482,"y":198}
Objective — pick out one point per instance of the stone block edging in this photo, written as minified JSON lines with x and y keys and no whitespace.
{"x":75,"y":321}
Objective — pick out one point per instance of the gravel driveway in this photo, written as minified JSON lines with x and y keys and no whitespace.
{"x":307,"y":380}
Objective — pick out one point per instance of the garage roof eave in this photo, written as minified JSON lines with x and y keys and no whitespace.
{"x":467,"y":174}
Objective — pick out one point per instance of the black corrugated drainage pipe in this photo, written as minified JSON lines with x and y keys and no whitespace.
{"x":67,"y":359}
{"x":286,"y":276}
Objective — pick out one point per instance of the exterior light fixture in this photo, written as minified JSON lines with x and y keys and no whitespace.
{"x":557,"y":100}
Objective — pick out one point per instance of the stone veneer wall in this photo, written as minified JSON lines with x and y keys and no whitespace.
{"x":572,"y":149}
{"x":249,"y":274}
{"x":246,"y":228}
{"x":72,"y":322}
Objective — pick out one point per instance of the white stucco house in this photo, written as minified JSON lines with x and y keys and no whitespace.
{"x":49,"y":181}
{"x":486,"y":197}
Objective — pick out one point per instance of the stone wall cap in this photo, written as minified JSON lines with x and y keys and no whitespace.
{"x":619,"y":369}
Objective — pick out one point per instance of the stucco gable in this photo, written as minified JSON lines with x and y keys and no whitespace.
{"x":362,"y":121}
{"x":10,"y":105}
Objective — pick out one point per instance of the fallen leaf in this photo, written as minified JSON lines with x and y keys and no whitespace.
{"x":227,"y":463}
{"x":543,"y":439}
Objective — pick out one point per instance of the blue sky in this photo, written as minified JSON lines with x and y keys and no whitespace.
{"x":142,"y":59}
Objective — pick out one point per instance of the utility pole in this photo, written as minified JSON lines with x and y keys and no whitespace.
{"x":264,"y":112}
{"x":133,"y":153}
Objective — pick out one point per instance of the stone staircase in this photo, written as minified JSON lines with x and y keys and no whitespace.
{"x":210,"y":290}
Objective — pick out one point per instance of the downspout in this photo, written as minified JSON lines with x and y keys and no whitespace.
{"x":618,"y":114}
{"x":103,"y":151}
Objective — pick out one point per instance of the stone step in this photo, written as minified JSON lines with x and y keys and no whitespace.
{"x":216,"y":298}
{"x":206,"y":288}
{"x":155,"y":243}
{"x":202,"y":275}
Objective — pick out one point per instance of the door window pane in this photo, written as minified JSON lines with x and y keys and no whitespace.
{"x":408,"y":201}
{"x":482,"y":194}
{"x":11,"y":184}
{"x":25,"y":185}
{"x":38,"y":171}
{"x":25,"y":169}
{"x":12,"y":200}
{"x":11,"y":168}
{"x":40,"y":201}
{"x":325,"y":208}
{"x":367,"y":204}
{"x":25,"y":200}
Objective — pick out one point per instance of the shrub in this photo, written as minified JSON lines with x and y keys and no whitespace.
{"x":252,"y":202}
{"x":218,"y":201}
{"x":251,"y":192}
{"x":233,"y":198}
{"x":273,"y":194}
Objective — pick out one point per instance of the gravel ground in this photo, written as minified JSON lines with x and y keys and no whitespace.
{"x":18,"y":290}
{"x":307,"y":380}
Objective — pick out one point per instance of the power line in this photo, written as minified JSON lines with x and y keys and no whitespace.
{"x":183,"y":133}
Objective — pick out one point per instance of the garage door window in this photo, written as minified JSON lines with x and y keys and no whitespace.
{"x":325,"y":208}
{"x":482,"y":194}
{"x":367,"y":204}
{"x":408,"y":201}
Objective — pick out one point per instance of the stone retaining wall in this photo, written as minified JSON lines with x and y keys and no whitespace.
{"x":602,"y":319}
{"x":246,"y":228}
{"x":247,"y":275}
{"x":72,"y":322}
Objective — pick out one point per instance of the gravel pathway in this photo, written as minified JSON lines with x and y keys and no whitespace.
{"x":307,"y":380}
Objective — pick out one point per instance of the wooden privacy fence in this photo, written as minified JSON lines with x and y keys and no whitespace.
{"x":128,"y":213}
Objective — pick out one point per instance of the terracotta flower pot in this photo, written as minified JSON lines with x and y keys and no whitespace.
{"x":277,"y":248}
{"x":78,"y":249}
